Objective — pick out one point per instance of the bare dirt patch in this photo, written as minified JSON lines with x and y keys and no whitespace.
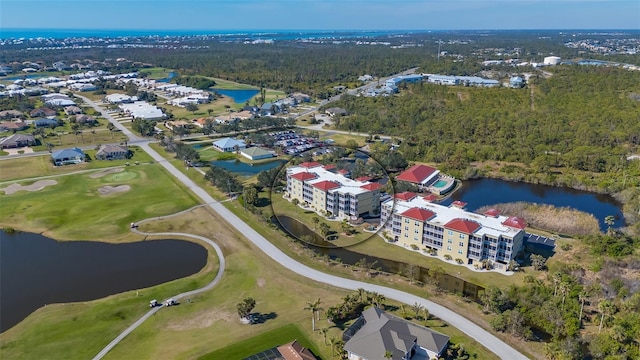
{"x":202,"y":320}
{"x":36,"y":186}
{"x":105,"y":173}
{"x":261,"y":282}
{"x":107,"y":190}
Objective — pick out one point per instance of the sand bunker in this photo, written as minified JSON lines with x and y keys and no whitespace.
{"x":106,"y":190}
{"x":36,"y":186}
{"x":105,"y":173}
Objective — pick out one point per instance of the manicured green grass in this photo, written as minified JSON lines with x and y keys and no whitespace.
{"x":231,"y":85}
{"x":262,"y":342}
{"x":30,"y":167}
{"x":75,"y":209}
{"x":157,"y":72}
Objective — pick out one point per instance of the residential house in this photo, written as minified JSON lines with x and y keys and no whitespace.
{"x":120,"y":99}
{"x":331,"y":192}
{"x":256,"y":153}
{"x":336,"y":111}
{"x":61,"y":66}
{"x":421,"y":175}
{"x":60,"y":102}
{"x":40,"y":123}
{"x":10,"y":114}
{"x":68,"y":156}
{"x":113,"y":152}
{"x":450,"y":230}
{"x":42,"y":112}
{"x":70,"y":110}
{"x":375,"y":333}
{"x":13,"y":125}
{"x":17,"y":140}
{"x":295,"y":351}
{"x":84,"y":119}
{"x":516,"y":82}
{"x":229,"y":144}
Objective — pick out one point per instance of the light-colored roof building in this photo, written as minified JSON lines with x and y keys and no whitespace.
{"x":377,"y":332}
{"x":142,"y":110}
{"x":256,"y":153}
{"x":229,"y":144}
{"x":411,"y":219}
{"x":329,"y":191}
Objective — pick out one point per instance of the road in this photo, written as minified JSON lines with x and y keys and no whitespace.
{"x":472,"y":330}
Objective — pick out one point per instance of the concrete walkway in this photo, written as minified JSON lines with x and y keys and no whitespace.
{"x":472,"y":330}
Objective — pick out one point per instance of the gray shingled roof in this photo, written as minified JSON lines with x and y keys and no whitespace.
{"x":383,"y":332}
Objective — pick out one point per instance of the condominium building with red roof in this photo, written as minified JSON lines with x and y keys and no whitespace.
{"x":330,"y":192}
{"x":410,"y":220}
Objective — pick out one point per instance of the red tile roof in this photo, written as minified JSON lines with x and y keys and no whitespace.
{"x":492,"y":212}
{"x":416,"y":174}
{"x":329,"y":167}
{"x":430,"y":198}
{"x":310,"y":164}
{"x":371,"y":186}
{"x":326,"y":185}
{"x":515,"y":222}
{"x":459,"y":204}
{"x":419,"y":214}
{"x":462,"y":225}
{"x":304,"y":176}
{"x":406,"y":196}
{"x":343,"y":171}
{"x":363,"y":178}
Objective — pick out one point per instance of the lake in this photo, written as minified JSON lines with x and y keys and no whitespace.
{"x":478,"y":193}
{"x":36,"y":270}
{"x":243,"y":169}
{"x":238,"y":96}
{"x":170,"y":76}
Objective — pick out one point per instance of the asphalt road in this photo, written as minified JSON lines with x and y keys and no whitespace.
{"x":472,"y":330}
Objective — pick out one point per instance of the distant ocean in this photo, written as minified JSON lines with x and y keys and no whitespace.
{"x":112,"y":33}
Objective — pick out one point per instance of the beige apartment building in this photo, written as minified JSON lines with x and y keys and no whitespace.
{"x":328,"y":191}
{"x":414,"y":220}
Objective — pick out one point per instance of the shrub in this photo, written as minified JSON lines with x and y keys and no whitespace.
{"x":566,"y":247}
{"x":448,"y":257}
{"x":414,"y":247}
{"x":459,"y":261}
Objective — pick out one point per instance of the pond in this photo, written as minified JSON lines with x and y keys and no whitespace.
{"x":36,"y":270}
{"x":441,"y":280}
{"x":170,"y":76}
{"x":478,"y":193}
{"x":243,"y":169}
{"x":239,"y":96}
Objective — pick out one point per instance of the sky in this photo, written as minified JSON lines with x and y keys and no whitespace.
{"x":320,"y":14}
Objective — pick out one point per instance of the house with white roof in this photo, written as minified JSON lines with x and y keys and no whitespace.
{"x":229,"y":144}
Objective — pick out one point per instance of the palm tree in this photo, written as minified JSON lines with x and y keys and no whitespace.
{"x":315,"y":220}
{"x":295,"y":203}
{"x":609,"y":220}
{"x":388,"y":355}
{"x":417,"y":308}
{"x":111,"y":128}
{"x":93,"y":132}
{"x":556,"y":281}
{"x":582,"y":297}
{"x":315,"y":308}
{"x":324,"y":335}
{"x":333,"y":341}
{"x":606,"y":308}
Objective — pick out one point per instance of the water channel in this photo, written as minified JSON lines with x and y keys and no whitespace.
{"x":442,"y":280}
{"x":36,"y":270}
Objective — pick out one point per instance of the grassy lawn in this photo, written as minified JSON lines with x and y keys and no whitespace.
{"x":80,"y":330}
{"x":262,"y":342}
{"x":231,"y":85}
{"x":81,"y":212}
{"x":156,"y":73}
{"x":217,"y":107}
{"x":210,"y":321}
{"x":283,"y":207}
{"x":35,"y":166}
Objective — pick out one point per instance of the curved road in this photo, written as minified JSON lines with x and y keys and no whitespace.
{"x":472,"y":330}
{"x":187,"y":294}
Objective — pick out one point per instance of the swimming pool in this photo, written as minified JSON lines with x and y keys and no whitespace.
{"x":440,"y":184}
